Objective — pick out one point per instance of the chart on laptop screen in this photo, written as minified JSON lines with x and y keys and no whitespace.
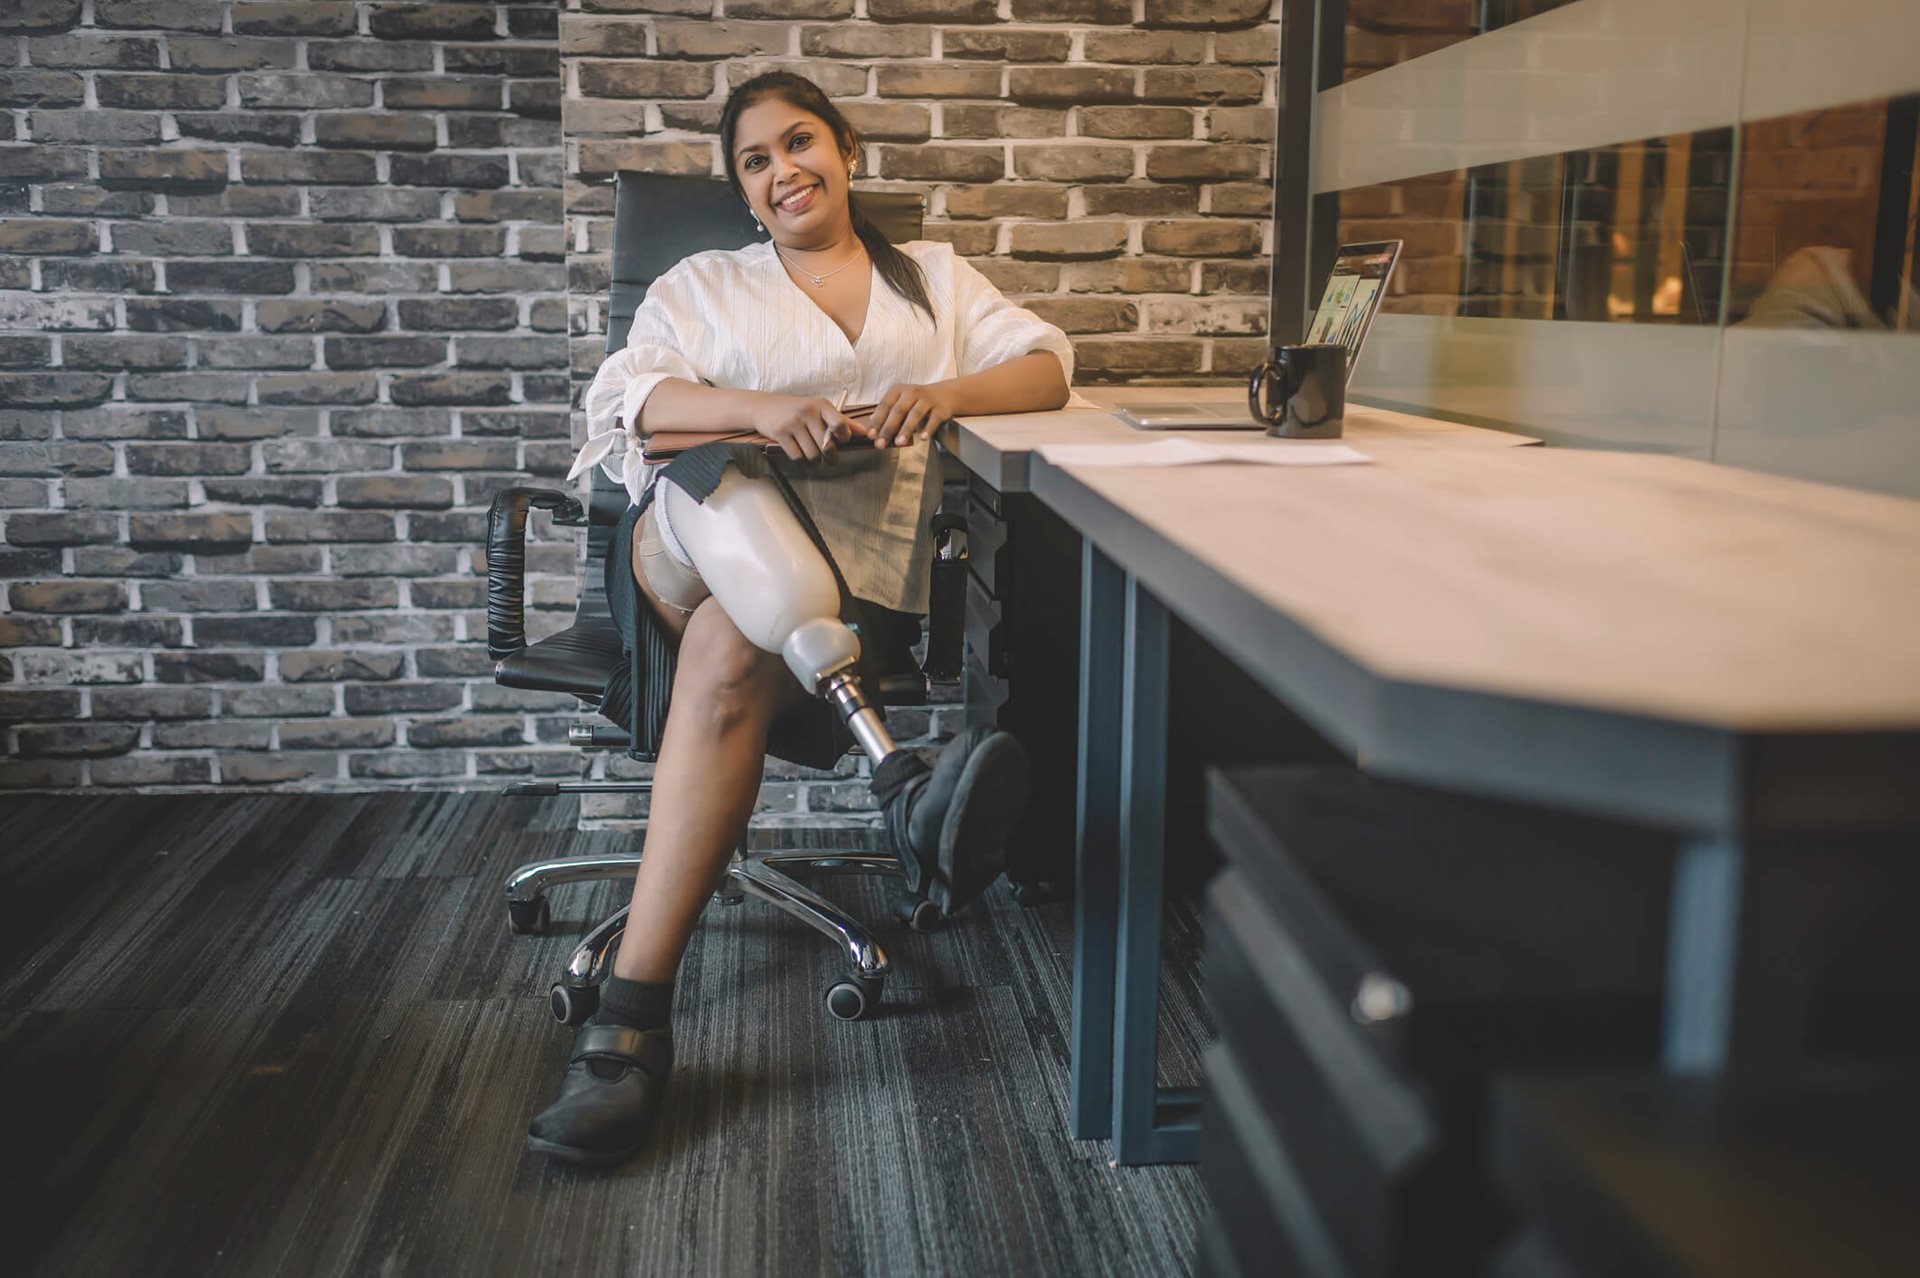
{"x":1360,"y":274}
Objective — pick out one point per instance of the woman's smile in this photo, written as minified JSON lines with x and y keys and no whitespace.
{"x":800,"y":201}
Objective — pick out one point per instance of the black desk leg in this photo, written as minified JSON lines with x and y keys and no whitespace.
{"x":1150,"y":1126}
{"x":1096,"y":903}
{"x":1738,"y":983}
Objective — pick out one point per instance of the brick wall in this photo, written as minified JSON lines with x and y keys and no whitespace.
{"x":1105,"y":162}
{"x":282,"y":304}
{"x":295,"y":270}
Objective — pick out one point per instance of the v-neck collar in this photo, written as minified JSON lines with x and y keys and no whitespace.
{"x":866,"y":320}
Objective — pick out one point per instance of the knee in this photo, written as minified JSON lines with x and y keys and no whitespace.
{"x":724,"y":678}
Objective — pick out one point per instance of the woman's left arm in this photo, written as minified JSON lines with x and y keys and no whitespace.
{"x":909,"y":414}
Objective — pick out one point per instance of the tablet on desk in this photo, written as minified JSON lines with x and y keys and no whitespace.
{"x":1180,"y":415}
{"x":1345,"y":315}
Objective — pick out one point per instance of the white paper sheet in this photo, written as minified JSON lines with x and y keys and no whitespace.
{"x":1189,"y":452}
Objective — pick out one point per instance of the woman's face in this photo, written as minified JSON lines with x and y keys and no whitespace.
{"x":793,"y":172}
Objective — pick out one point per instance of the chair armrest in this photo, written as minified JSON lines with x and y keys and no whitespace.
{"x":507,"y":561}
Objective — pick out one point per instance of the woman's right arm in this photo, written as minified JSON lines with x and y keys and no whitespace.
{"x":654,"y":384}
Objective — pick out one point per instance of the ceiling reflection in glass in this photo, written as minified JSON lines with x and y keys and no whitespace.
{"x":1385,"y":33}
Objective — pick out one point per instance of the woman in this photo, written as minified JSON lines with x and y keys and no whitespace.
{"x":775,"y":338}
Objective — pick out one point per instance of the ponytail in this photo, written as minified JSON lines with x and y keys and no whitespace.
{"x":901,"y":272}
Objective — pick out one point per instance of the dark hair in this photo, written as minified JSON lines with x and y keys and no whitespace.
{"x":901,"y":272}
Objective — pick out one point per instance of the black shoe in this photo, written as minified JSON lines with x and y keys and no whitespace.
{"x":609,"y":1096}
{"x":949,"y":823}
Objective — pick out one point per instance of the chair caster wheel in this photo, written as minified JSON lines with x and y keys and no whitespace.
{"x":918,"y":913}
{"x":528,"y":918}
{"x":854,"y":998}
{"x":573,"y":1006}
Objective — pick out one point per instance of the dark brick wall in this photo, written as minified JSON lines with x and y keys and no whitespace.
{"x":286,"y":293}
{"x":1105,"y":162}
{"x":282,"y":305}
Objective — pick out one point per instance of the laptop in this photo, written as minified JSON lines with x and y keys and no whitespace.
{"x":1345,"y":315}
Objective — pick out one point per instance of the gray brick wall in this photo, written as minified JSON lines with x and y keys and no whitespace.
{"x":282,"y":305}
{"x":286,"y":292}
{"x":1105,"y":162}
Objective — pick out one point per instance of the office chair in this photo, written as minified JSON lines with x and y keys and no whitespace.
{"x":658,"y":220}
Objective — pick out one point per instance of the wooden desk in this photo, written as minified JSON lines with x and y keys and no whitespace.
{"x":1719,"y":652}
{"x":1024,"y":673}
{"x":1021,"y":604}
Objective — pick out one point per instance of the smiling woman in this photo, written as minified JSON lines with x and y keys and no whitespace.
{"x":776,"y":338}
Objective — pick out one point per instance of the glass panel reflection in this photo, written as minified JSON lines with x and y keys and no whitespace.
{"x":1825,"y":228}
{"x":1634,"y":233}
{"x":1385,"y":33}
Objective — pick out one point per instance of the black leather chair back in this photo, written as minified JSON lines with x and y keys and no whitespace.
{"x":661,"y":218}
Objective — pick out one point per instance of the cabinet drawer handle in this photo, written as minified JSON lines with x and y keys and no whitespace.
{"x":1379,"y":999}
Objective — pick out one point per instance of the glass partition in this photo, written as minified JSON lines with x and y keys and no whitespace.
{"x":1633,"y":233}
{"x":1629,"y":223}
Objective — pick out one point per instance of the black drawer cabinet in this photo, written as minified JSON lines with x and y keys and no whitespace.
{"x":1627,"y":1174}
{"x":1522,"y":936}
{"x":1374,"y":953}
{"x":986,"y":628}
{"x":1298,"y":1066}
{"x":1264,"y":1220}
{"x":1022,"y":666}
{"x":1381,"y":957}
{"x":1304,"y":1096}
{"x":989,"y":549}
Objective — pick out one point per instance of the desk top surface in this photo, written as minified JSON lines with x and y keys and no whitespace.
{"x":1628,"y":582}
{"x":998,"y":448}
{"x":1641,"y":634}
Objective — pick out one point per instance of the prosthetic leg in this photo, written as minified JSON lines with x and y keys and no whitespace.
{"x":947,"y":819}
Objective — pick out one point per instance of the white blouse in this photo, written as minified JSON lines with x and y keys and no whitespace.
{"x":734,"y":318}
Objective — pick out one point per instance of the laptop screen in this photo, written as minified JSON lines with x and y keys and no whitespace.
{"x":1359,"y":280}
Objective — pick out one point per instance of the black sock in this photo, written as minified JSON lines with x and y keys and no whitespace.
{"x":642,"y":1005}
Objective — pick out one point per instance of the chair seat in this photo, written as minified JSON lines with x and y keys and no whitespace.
{"x":576,"y":660}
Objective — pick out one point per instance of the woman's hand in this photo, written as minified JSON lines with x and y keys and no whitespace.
{"x":805,"y":428}
{"x":909,"y":414}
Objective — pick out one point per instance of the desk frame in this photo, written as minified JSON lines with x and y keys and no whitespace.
{"x":1118,"y":900}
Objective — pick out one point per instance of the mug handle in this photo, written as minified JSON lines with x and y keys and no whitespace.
{"x":1256,"y":392}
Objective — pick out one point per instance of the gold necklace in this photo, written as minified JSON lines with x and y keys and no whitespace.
{"x":818,"y":280}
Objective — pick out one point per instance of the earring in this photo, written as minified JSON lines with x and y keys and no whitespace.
{"x":756,"y":226}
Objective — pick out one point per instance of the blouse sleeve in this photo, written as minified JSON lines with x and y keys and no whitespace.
{"x":652,"y":354}
{"x":991,"y":330}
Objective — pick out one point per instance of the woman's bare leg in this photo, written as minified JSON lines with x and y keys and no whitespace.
{"x":726,"y":694}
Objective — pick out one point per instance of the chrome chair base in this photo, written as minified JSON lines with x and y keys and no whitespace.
{"x":765,"y":876}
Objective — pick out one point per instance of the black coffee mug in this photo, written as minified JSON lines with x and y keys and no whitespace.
{"x":1301,"y":391}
